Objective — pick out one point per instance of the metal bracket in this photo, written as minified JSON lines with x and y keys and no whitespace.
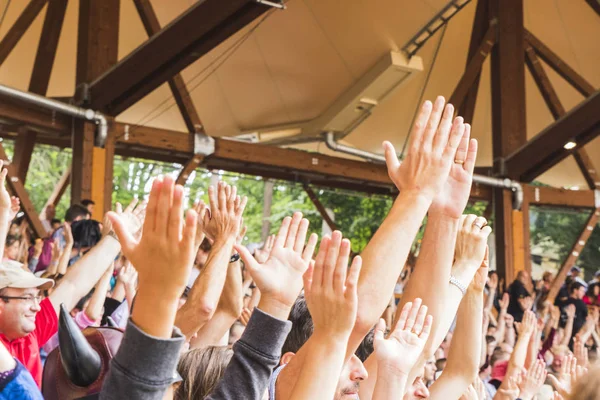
{"x":272,"y":4}
{"x":204,"y":145}
{"x":82,"y":94}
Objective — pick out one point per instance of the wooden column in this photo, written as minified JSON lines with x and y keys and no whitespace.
{"x":521,"y":238}
{"x":508,"y":117}
{"x":24,"y":144}
{"x":97,"y":51}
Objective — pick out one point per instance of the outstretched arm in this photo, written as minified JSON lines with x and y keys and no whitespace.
{"x":222,"y":226}
{"x":463,"y":360}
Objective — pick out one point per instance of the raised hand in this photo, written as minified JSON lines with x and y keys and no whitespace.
{"x":128,"y":276}
{"x":15,"y":206}
{"x":504,"y":302}
{"x":509,"y":320}
{"x":403,"y":347}
{"x":471,"y":245}
{"x":480,"y":389}
{"x":470,"y":394}
{"x":201,"y":210}
{"x":5,"y":202}
{"x":527,"y":324}
{"x":434,"y":142}
{"x":331,"y":297}
{"x":478,"y":282}
{"x":570,"y":311}
{"x":279,"y":278}
{"x":533,"y":381}
{"x":580,"y":352}
{"x":262,"y":255}
{"x":164,"y":254}
{"x":132,"y":219}
{"x":570,"y":373}
{"x":224,"y":219}
{"x":245,"y":316}
{"x":493,"y":281}
{"x":511,"y":391}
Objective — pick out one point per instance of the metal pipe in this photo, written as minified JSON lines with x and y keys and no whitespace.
{"x":506,"y":183}
{"x":60,"y":107}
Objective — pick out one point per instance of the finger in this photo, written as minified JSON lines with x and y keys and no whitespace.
{"x":188,"y":231}
{"x":352,"y":280}
{"x":242,"y":206}
{"x":231,"y":200}
{"x":426,"y":327}
{"x":150,"y":221}
{"x":320,"y":261}
{"x":310,"y":247}
{"x":212,"y":198}
{"x":222,"y":196}
{"x":301,"y":236}
{"x":125,"y":238}
{"x":391,"y":158}
{"x":249,"y":261}
{"x":331,"y":258}
{"x":468,"y":222}
{"x":433,"y":122}
{"x":418,"y":130}
{"x":454,"y":140}
{"x":469,"y":164}
{"x":379,"y":333}
{"x":175,"y":216}
{"x":341,"y":267}
{"x":401,"y":324}
{"x":440,"y":140}
{"x":420,"y":321}
{"x":283,"y":232}
{"x":480,"y":222}
{"x":412,"y":316}
{"x":292,"y":232}
{"x":131,"y":206}
{"x":165,"y":201}
{"x":463,"y":146}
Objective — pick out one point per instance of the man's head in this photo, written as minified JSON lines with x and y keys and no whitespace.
{"x":302,"y":328}
{"x":55,"y":224}
{"x":417,"y":390}
{"x":19,"y":301}
{"x":558,"y":355}
{"x":577,"y":290}
{"x":575,"y":271}
{"x":76,"y":213}
{"x":491,"y":344}
{"x":89,"y":204}
{"x":11,"y":247}
{"x":430,"y":370}
{"x":524,"y":277}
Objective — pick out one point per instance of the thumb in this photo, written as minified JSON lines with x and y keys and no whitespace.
{"x":391,"y":158}
{"x":249,"y":261}
{"x":379,"y":330}
{"x":125,"y":238}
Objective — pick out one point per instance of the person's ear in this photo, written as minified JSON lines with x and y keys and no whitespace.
{"x":286,"y":358}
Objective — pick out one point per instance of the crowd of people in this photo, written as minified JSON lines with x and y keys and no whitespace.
{"x":156,"y":302}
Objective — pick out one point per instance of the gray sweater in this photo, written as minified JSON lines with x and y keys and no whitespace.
{"x":144,"y":366}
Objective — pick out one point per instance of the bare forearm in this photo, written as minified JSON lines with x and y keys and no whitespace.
{"x":84,"y":274}
{"x":232,"y":299}
{"x":63,"y":261}
{"x":211,"y":332}
{"x":489,"y":301}
{"x":322,"y":367}
{"x":96,"y":304}
{"x":568,"y":331}
{"x":510,"y":336}
{"x":204,"y":295}
{"x":501,"y":331}
{"x":383,"y":260}
{"x":463,"y":360}
{"x":517,"y":358}
{"x":119,"y":291}
{"x":389,"y":385}
{"x":4,"y":226}
{"x":154,"y":311}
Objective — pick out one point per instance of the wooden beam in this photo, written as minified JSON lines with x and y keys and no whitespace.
{"x":581,"y":125}
{"x":508,"y":117}
{"x":595,"y":4}
{"x":573,"y":254}
{"x":59,"y":189}
{"x":558,"y":65}
{"x":109,"y":164}
{"x":481,"y":24}
{"x":176,"y":83}
{"x":24,"y":145}
{"x":473,"y":69}
{"x":587,"y":168}
{"x":19,"y":28}
{"x":46,"y":52}
{"x":548,"y":196}
{"x":200,"y":29}
{"x":188,"y":168}
{"x":16,"y":187}
{"x":320,"y":207}
{"x":557,"y":110}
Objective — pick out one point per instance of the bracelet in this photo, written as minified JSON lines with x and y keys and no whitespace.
{"x":234,"y":258}
{"x":458,"y":284}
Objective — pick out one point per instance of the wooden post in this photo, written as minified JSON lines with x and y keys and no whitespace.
{"x":578,"y":246}
{"x":508,"y":117}
{"x":97,"y":50}
{"x":320,"y":207}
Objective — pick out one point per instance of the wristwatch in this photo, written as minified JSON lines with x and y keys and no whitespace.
{"x":235,"y":257}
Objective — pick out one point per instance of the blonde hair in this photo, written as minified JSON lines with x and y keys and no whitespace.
{"x":201,"y":370}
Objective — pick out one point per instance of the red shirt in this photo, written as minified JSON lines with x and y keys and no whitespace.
{"x":27,"y":349}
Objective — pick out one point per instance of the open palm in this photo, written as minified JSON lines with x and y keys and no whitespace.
{"x":454,"y":193}
{"x":280,"y":276}
{"x":402,"y":349}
